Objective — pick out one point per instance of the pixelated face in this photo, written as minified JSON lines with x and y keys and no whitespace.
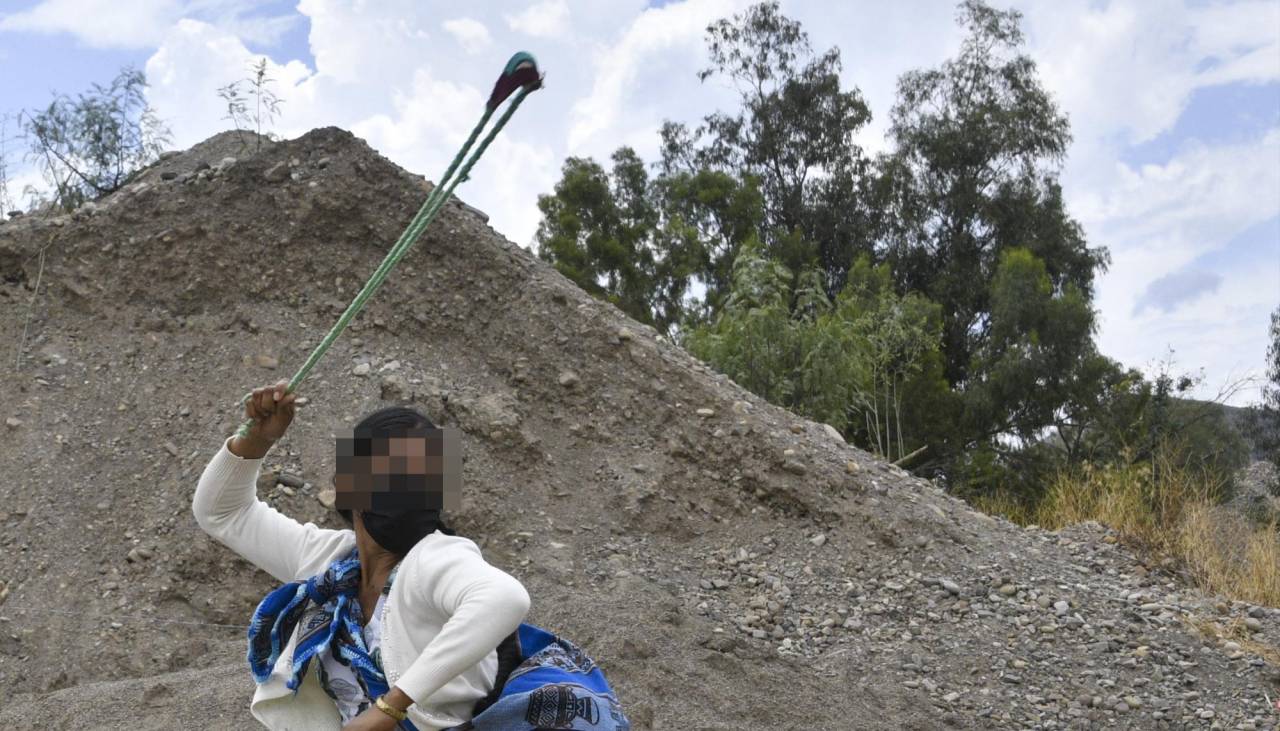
{"x":410,"y":470}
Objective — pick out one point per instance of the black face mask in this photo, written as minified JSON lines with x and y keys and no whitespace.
{"x":399,"y":532}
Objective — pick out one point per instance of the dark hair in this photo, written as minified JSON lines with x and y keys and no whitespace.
{"x":400,"y":531}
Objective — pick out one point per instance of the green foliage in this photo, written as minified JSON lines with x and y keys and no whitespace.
{"x":755,"y":340}
{"x":256,"y":90}
{"x":1101,"y":420}
{"x":88,"y":146}
{"x":237,"y":107}
{"x":889,"y":345}
{"x":1036,"y":337}
{"x":940,"y":295}
{"x":704,"y":216}
{"x":1124,"y":420}
{"x":793,"y":134}
{"x":642,"y":244}
{"x":866,"y":363}
{"x":597,"y":230}
{"x":7,"y":201}
{"x":1263,"y":421}
{"x":977,"y":224}
{"x":1161,"y":414}
{"x":784,"y":169}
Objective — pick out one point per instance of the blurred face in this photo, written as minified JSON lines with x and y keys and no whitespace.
{"x":411,"y":470}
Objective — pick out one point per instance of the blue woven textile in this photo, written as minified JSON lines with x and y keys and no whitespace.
{"x":555,"y":686}
{"x":327,"y":607}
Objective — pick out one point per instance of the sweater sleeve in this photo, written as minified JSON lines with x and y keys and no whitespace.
{"x":227,"y":507}
{"x":484,"y":605}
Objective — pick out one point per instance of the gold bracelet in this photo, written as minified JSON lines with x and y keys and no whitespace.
{"x":389,"y":709}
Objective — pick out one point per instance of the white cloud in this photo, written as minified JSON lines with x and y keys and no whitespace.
{"x":1202,"y":197}
{"x":429,"y":123}
{"x":470,"y":33}
{"x":1158,"y":219}
{"x":375,"y":80}
{"x":1241,"y":28}
{"x":99,"y":23}
{"x":433,"y":109}
{"x":1223,"y":335}
{"x":1126,"y":70}
{"x":19,"y":182}
{"x":657,"y":35}
{"x":142,"y":23}
{"x":377,"y":45}
{"x":192,"y":62}
{"x":412,"y":83}
{"x":547,"y":19}
{"x":263,"y":31}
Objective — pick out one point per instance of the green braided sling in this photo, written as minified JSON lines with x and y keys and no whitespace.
{"x":521,"y":73}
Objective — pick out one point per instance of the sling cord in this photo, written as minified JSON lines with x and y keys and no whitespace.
{"x":520,"y":71}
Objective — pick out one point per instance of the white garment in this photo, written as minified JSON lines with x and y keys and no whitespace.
{"x":340,"y":681}
{"x":440,"y":626}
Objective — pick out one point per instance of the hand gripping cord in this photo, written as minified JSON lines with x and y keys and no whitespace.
{"x":521,"y":73}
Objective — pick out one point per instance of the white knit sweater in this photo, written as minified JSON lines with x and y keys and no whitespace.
{"x":446,"y":613}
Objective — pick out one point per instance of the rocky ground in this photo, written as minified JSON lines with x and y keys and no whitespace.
{"x":731,"y":565}
{"x":1257,"y":493}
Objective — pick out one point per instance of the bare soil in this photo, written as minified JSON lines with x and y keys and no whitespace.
{"x":730,"y":565}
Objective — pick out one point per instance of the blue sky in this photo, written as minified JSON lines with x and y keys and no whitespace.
{"x":1174,"y":105}
{"x":1228,"y":113}
{"x":68,"y":62}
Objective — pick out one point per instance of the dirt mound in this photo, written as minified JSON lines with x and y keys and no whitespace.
{"x":730,"y":564}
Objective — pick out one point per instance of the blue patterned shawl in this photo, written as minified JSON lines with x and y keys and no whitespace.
{"x":328,"y":610}
{"x":555,"y":685}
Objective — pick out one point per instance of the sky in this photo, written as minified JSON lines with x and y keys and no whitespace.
{"x":1174,"y":164}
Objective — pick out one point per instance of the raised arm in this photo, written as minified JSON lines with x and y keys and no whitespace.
{"x":227,"y":507}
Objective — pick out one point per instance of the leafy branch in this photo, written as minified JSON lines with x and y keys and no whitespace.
{"x":87,"y":146}
{"x":255,"y":89}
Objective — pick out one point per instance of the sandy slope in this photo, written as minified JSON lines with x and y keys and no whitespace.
{"x":731,"y":565}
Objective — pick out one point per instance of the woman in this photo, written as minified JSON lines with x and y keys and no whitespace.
{"x":395,"y":624}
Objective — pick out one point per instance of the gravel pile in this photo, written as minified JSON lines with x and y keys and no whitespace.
{"x":729,"y":564}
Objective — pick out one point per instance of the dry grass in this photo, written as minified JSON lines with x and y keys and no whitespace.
{"x":1229,"y":555}
{"x":1235,"y":631}
{"x":1144,"y":502}
{"x":1167,"y":509}
{"x":1005,"y":505}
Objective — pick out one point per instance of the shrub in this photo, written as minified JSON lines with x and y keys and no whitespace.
{"x":88,"y":146}
{"x":7,"y":201}
{"x":1227,"y":554}
{"x":266,"y":105}
{"x":1169,"y":507}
